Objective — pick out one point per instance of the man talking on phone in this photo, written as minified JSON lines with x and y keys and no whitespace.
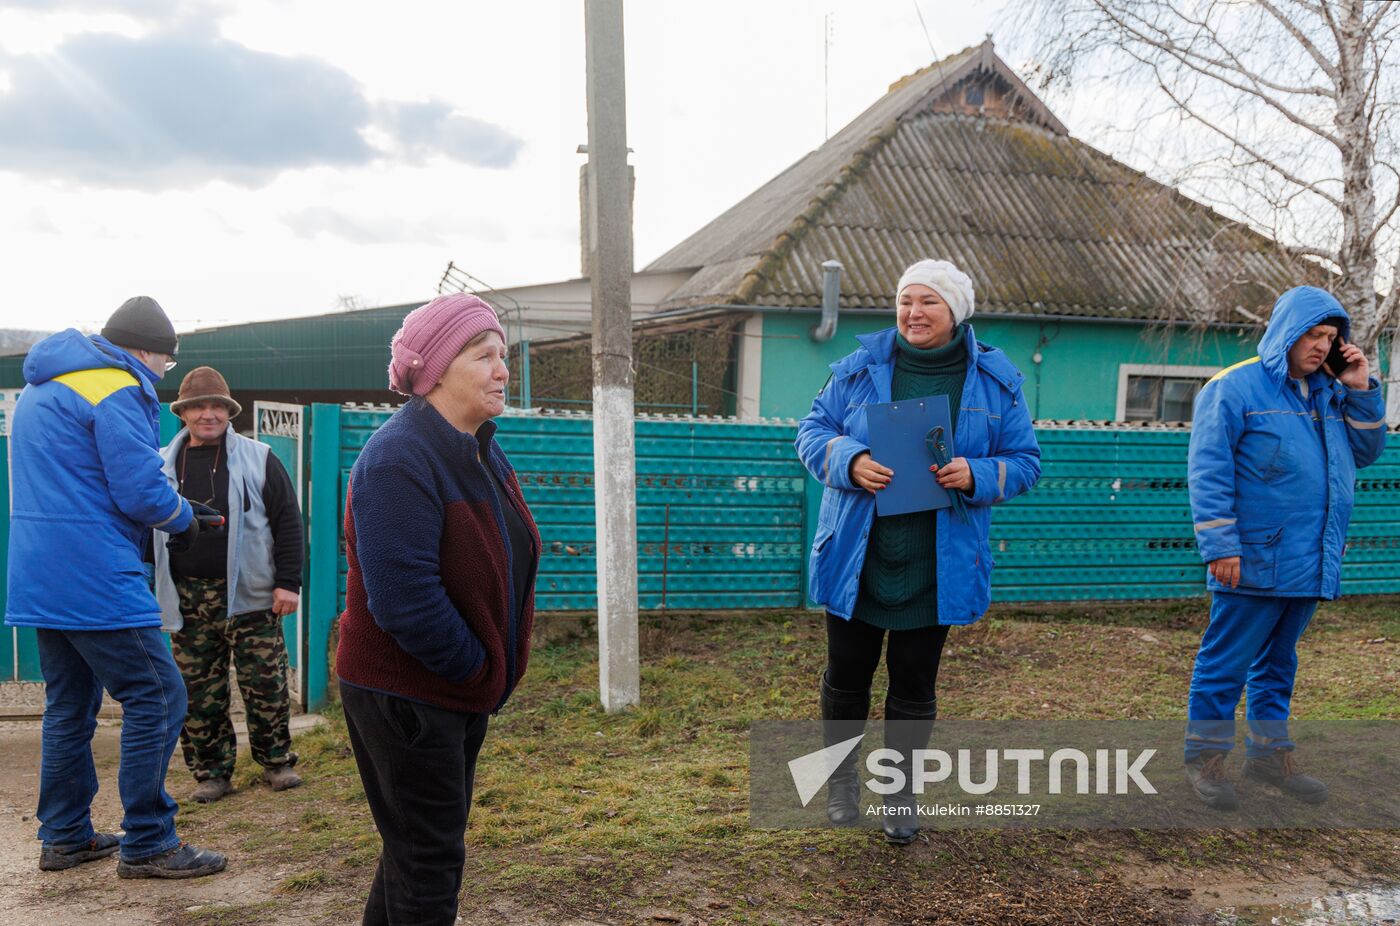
{"x":1275,"y":445}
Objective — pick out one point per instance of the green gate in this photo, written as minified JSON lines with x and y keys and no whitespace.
{"x":283,"y":428}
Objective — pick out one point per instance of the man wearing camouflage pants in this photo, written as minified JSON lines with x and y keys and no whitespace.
{"x":227,"y":595}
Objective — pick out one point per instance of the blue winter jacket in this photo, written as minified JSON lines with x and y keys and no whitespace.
{"x":87,"y":488}
{"x":1273,"y":460}
{"x":993,"y":432}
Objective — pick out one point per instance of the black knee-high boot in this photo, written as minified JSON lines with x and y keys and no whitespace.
{"x":843,"y":717}
{"x":908,"y":725}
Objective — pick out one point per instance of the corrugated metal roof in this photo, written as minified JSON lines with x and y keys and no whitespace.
{"x":1042,"y":223}
{"x":344,"y":350}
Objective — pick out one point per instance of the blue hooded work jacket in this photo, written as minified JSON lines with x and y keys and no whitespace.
{"x":1273,"y":460}
{"x":993,"y":432}
{"x":87,"y":488}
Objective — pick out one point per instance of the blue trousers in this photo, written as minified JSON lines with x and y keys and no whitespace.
{"x":1251,"y":644}
{"x":136,"y":668}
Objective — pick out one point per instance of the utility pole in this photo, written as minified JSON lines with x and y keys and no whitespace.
{"x":614,"y":442}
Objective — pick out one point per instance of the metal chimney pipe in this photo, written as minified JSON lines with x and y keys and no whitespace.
{"x":831,"y":300}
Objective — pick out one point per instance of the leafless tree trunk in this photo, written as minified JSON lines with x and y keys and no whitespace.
{"x":1284,"y":111}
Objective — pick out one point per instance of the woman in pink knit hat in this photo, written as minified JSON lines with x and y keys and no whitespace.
{"x":439,"y":601}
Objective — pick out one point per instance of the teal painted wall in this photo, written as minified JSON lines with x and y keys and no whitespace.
{"x":1077,"y":378}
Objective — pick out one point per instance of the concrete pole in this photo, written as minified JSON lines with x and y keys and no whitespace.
{"x":609,"y":236}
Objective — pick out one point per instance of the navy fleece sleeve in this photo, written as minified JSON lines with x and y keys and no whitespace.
{"x":398,"y":533}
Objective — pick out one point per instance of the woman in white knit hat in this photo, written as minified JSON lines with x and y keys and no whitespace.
{"x":913,"y":575}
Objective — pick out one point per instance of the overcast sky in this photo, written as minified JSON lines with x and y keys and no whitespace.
{"x":248,"y":160}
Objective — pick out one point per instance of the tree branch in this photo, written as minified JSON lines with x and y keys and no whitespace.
{"x":1184,"y":54}
{"x":1235,"y":64}
{"x":1301,"y":38}
{"x":1389,"y":213}
{"x":1302,"y":251}
{"x":1378,"y":70}
{"x":1377,"y":16}
{"x":1388,"y":306}
{"x":1259,"y":158}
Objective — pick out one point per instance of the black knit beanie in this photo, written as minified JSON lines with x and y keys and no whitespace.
{"x":141,"y":323}
{"x":1340,"y":322}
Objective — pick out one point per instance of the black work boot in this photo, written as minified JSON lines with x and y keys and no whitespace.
{"x":183,"y":861}
{"x":908,"y":725}
{"x":59,"y":858}
{"x":843,"y":717}
{"x":1278,"y":769}
{"x":1207,"y":775}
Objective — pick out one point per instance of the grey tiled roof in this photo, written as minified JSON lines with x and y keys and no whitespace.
{"x":1043,"y":223}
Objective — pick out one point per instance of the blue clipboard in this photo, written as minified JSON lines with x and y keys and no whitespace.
{"x":898,"y":432}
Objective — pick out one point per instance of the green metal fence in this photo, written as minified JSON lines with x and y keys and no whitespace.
{"x":720,"y":505}
{"x":726,"y":515}
{"x":1111,"y":519}
{"x":719,"y":508}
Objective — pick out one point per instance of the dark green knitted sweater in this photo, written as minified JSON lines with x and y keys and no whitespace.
{"x":899,"y":581}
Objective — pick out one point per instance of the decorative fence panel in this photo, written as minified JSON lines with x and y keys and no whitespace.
{"x":283,"y":428}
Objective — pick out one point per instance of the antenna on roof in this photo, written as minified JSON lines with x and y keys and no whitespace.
{"x":456,"y":280}
{"x":826,"y":76}
{"x":925,"y":25}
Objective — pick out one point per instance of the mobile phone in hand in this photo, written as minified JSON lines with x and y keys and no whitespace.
{"x":1336,"y":362}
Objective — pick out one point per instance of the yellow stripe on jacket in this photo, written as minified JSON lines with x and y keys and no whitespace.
{"x":96,"y":385}
{"x":1232,"y":368}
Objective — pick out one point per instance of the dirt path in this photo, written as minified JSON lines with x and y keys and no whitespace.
{"x":580,"y":819}
{"x":92,"y":894}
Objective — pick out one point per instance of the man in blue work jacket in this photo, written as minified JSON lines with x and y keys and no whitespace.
{"x":87,"y":489}
{"x":1275,"y":445}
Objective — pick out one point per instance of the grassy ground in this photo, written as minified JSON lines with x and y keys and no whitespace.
{"x":579,"y":815}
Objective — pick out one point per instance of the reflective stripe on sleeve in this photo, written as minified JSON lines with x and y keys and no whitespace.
{"x":1218,"y":522}
{"x":178,"y":507}
{"x":826,"y":460}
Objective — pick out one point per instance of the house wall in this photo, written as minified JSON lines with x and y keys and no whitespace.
{"x":1077,"y":378}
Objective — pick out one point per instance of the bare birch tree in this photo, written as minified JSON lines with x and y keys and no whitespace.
{"x":1285,"y":110}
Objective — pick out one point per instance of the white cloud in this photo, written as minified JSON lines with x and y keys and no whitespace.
{"x":314,"y":221}
{"x":41,"y":224}
{"x":179,"y":108}
{"x":436,"y":230}
{"x":420,"y":130}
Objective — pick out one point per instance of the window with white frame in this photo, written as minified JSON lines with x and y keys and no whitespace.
{"x":1157,"y":392}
